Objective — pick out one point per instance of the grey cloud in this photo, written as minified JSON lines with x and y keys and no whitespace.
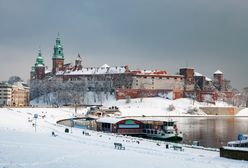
{"x":160,"y":34}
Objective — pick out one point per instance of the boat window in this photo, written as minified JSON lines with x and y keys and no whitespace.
{"x":144,"y":131}
{"x":156,"y":132}
{"x":148,"y":131}
{"x":151,"y":131}
{"x":162,"y":134}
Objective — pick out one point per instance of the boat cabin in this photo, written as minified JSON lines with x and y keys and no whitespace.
{"x":120,"y":126}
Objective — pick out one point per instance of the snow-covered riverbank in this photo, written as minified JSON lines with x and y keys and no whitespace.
{"x":21,"y":146}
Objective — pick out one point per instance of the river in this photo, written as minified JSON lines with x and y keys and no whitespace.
{"x":208,"y":131}
{"x":211,"y":131}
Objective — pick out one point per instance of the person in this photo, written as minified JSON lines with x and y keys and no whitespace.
{"x":53,"y":134}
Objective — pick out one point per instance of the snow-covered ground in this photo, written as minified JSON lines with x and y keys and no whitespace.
{"x":21,"y":146}
{"x":243,"y":112}
{"x":158,"y":106}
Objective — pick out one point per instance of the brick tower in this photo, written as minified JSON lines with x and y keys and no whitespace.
{"x":39,"y":67}
{"x":58,"y":56}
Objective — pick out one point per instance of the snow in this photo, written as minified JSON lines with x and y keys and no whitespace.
{"x":105,"y":69}
{"x":208,"y":79}
{"x":243,"y":112}
{"x":235,"y":148}
{"x":21,"y":146}
{"x":218,"y":72}
{"x":155,"y":107}
{"x":197,"y":74}
{"x":105,"y":66}
{"x":109,"y":120}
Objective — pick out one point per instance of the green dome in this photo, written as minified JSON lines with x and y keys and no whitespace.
{"x":39,"y":60}
{"x":58,"y":49}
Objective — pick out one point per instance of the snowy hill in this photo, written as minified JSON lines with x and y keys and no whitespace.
{"x":243,"y":112}
{"x":156,"y":107}
{"x":21,"y":146}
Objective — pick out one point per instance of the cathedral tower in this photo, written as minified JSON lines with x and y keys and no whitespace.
{"x":39,"y":67}
{"x":58,"y":56}
{"x":78,"y":62}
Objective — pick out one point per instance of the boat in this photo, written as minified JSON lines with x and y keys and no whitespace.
{"x":162,"y":130}
{"x":241,"y":142}
{"x":236,"y":149}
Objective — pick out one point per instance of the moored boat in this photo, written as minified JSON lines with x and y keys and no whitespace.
{"x":163,"y":130}
{"x":241,"y":142}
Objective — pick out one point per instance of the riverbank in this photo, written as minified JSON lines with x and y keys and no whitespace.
{"x":21,"y":146}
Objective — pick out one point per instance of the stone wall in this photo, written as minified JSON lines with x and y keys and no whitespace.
{"x":220,"y":110}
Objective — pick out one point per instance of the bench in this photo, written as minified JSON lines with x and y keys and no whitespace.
{"x":87,"y":134}
{"x":119,"y":146}
{"x":176,"y":147}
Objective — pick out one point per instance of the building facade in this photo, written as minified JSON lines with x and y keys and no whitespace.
{"x":14,"y":95}
{"x":158,"y":80}
{"x":5,"y":94}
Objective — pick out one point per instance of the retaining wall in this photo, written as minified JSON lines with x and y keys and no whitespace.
{"x":220,"y":110}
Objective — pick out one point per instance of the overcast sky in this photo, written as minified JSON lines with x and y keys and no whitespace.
{"x":144,"y":34}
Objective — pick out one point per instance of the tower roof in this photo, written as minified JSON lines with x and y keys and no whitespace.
{"x":58,"y":49}
{"x":218,"y":72}
{"x":39,"y":60}
{"x":79,"y":57}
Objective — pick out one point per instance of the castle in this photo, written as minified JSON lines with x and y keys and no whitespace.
{"x":132,"y":83}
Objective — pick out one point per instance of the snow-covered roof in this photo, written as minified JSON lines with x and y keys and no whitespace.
{"x":60,"y":73}
{"x":218,"y":72}
{"x":105,"y":66}
{"x":208,"y":79}
{"x":110,"y":120}
{"x":149,"y":72}
{"x":105,"y":69}
{"x":47,"y":71}
{"x":197,"y":74}
{"x":187,"y":68}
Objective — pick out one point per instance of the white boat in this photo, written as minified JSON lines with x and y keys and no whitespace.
{"x":163,"y":130}
{"x":241,"y":142}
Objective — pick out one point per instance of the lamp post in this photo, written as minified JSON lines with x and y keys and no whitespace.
{"x":35,"y":117}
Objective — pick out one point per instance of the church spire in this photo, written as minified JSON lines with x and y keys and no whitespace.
{"x":39,"y":59}
{"x":58,"y":55}
{"x":58,"y":42}
{"x":58,"y":49}
{"x":78,"y":61}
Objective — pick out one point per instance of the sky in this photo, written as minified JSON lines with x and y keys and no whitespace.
{"x":143,"y":34}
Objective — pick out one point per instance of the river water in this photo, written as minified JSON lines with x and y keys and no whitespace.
{"x":211,"y":131}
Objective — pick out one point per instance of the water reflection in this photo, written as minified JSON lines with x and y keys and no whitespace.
{"x":211,"y":131}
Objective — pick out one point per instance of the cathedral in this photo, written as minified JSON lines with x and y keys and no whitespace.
{"x":69,"y":72}
{"x":39,"y":70}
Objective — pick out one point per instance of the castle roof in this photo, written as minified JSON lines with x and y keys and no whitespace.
{"x":94,"y":71}
{"x":197,"y":74}
{"x":218,"y":72}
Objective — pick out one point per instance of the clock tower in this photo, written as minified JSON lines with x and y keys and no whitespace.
{"x":58,"y":56}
